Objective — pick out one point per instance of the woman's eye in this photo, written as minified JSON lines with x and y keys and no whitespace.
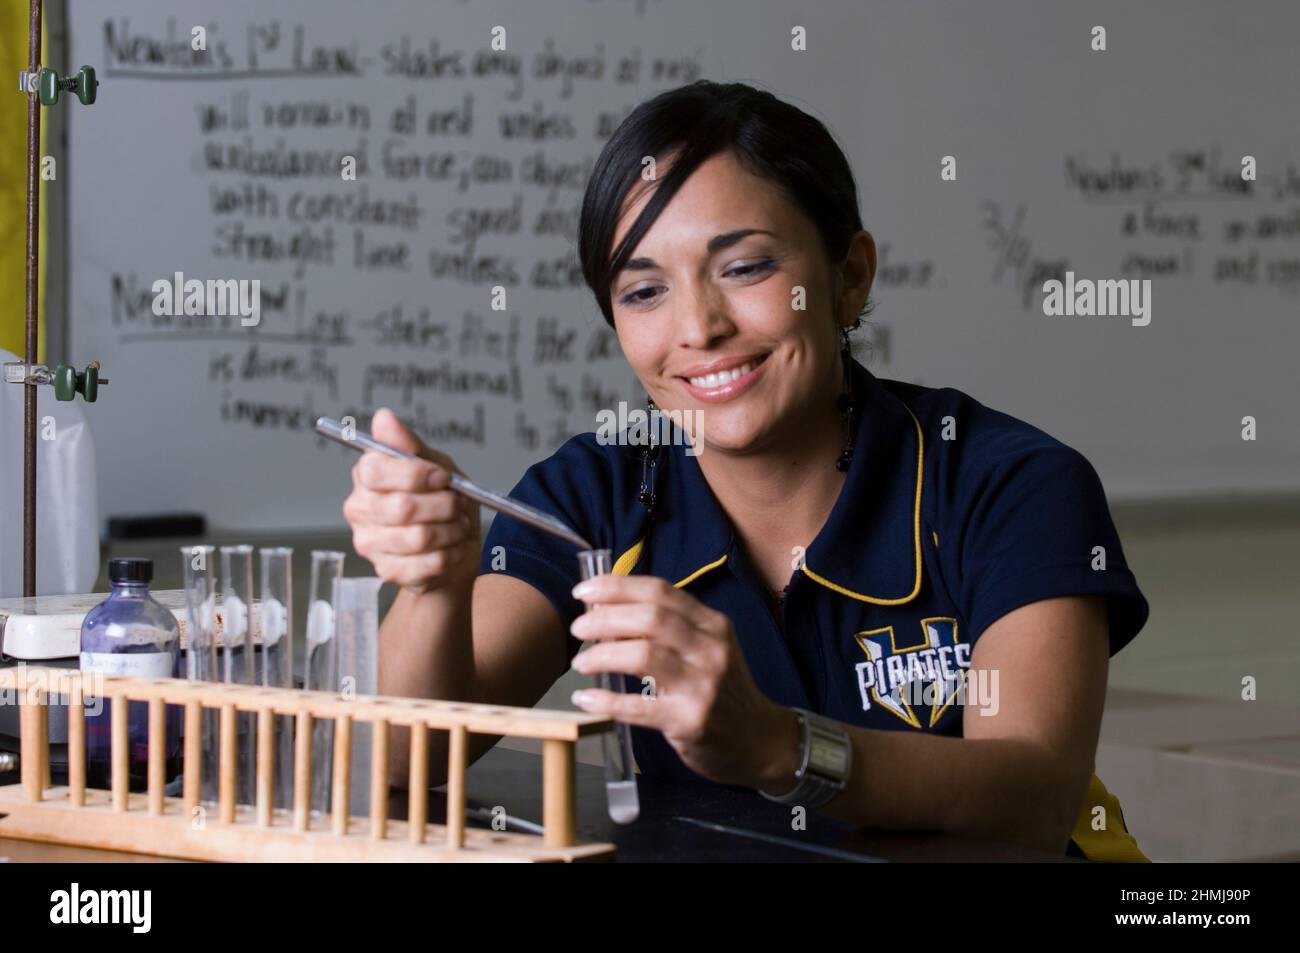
{"x":754,"y":268}
{"x":647,"y":294}
{"x":635,"y":297}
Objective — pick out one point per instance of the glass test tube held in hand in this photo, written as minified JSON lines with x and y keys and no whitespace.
{"x":620,"y":768}
{"x":320,"y":668}
{"x":277,"y":656}
{"x":237,"y":652}
{"x":201,"y":661}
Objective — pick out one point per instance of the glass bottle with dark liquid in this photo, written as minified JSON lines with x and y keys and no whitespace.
{"x":129,"y":633}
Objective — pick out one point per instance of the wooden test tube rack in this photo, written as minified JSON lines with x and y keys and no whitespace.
{"x":152,"y":823}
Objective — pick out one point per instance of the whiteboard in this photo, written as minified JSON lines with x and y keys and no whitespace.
{"x":1122,"y":164}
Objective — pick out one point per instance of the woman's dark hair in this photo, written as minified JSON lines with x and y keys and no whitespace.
{"x":770,"y":139}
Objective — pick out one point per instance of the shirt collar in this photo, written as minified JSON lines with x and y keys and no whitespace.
{"x":690,"y":535}
{"x":870,"y":547}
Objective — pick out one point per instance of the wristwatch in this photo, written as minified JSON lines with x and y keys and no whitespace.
{"x":827,"y":756}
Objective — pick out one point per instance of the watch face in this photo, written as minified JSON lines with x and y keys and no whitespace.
{"x":828,"y":757}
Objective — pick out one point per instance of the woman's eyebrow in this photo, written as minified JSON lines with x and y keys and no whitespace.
{"x":715,"y":244}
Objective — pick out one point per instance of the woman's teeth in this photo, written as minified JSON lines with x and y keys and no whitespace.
{"x":709,"y":381}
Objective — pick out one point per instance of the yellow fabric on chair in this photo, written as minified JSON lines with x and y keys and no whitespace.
{"x":1112,"y":844}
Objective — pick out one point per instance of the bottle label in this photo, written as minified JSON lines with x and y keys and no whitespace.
{"x":152,"y":664}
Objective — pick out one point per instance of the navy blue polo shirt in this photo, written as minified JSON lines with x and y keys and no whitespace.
{"x":951,"y":515}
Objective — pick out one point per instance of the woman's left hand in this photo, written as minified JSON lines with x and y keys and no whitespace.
{"x":701,"y":695}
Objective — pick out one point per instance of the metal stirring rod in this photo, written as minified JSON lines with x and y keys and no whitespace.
{"x":362,"y":441}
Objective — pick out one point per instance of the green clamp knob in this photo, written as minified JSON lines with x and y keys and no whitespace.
{"x":89,"y":382}
{"x":65,"y":382}
{"x":83,"y":84}
{"x":68,"y":383}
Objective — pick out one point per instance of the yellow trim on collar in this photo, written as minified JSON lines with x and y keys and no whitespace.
{"x":625,"y":563}
{"x":701,"y":571}
{"x":916,"y":534}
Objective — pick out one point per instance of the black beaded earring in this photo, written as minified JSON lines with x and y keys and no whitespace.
{"x":646,"y":494}
{"x":845,"y":403}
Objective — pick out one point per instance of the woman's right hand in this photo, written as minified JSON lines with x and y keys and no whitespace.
{"x":405,"y":518}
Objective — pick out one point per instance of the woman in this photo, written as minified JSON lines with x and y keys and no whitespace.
{"x":878,"y":600}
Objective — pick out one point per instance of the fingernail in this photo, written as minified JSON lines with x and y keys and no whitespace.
{"x":583,"y":589}
{"x":579,"y":698}
{"x":435,"y":480}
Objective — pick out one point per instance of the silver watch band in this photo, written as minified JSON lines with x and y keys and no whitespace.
{"x":824,"y":764}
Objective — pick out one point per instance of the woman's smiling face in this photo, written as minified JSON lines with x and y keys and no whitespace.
{"x":706,"y":313}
